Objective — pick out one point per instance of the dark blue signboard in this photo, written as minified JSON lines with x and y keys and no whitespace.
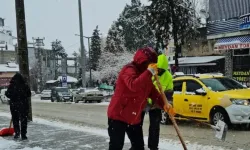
{"x":64,"y":81}
{"x":245,"y":22}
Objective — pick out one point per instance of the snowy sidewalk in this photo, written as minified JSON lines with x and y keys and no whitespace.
{"x":52,"y":135}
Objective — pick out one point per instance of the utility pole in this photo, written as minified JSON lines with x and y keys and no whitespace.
{"x":90,"y":64}
{"x":23,"y":59}
{"x":39,"y":44}
{"x":83,"y":56}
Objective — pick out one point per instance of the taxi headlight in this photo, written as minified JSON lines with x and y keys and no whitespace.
{"x":240,"y":102}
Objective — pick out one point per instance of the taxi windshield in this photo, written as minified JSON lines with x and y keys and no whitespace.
{"x":222,"y":84}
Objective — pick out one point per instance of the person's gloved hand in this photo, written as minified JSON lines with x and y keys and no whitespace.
{"x":153,"y":69}
{"x":169,"y":109}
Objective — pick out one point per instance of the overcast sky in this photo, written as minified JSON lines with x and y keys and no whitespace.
{"x":58,"y":19}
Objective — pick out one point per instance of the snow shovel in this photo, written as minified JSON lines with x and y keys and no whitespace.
{"x":171,"y":117}
{"x":220,"y":128}
{"x":7,"y":131}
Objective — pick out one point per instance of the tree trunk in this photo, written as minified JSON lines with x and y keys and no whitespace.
{"x":175,"y":35}
{"x":22,"y":46}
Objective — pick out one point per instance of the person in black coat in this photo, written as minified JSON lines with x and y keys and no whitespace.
{"x":18,"y":92}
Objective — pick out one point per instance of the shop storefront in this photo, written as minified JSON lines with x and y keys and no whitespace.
{"x":228,"y":34}
{"x":239,"y":47}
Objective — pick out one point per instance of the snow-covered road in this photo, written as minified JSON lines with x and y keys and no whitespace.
{"x":46,"y":135}
{"x":94,"y":115}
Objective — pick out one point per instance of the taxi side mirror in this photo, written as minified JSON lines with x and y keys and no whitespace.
{"x":201,"y":92}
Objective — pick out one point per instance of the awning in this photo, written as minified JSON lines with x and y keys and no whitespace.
{"x":197,"y":61}
{"x":240,"y":42}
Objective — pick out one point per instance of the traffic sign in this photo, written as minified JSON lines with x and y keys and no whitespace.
{"x":64,"y":81}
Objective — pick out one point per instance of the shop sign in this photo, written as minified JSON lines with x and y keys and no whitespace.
{"x":245,"y":22}
{"x":232,"y":46}
{"x":241,"y":76}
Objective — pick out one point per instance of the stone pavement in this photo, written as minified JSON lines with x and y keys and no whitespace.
{"x":52,"y":138}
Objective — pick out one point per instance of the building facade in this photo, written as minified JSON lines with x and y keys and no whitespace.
{"x":228,"y":32}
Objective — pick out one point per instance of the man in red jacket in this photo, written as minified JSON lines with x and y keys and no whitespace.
{"x":133,"y":87}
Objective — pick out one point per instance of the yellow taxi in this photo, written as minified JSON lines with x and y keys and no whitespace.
{"x":210,"y":98}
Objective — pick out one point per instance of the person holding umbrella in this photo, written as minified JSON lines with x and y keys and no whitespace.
{"x":18,"y":92}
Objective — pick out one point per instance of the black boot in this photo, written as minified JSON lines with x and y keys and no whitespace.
{"x":24,"y":137}
{"x":16,"y":136}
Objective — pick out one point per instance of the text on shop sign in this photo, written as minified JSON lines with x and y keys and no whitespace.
{"x":245,"y":24}
{"x":241,"y":76}
{"x":233,"y":46}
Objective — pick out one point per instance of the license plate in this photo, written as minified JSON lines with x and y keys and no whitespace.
{"x":66,"y":97}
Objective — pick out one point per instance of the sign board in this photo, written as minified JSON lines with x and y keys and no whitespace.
{"x":232,"y":46}
{"x":242,"y":76}
{"x":245,"y":22}
{"x":64,"y":81}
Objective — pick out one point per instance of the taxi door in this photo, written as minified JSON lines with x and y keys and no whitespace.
{"x":195,"y":104}
{"x":178,"y":97}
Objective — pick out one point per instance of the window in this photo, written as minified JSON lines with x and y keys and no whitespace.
{"x":192,"y":86}
{"x":222,"y":84}
{"x":178,"y":86}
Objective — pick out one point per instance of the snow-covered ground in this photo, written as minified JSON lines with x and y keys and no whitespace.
{"x":165,"y":144}
{"x":10,"y":145}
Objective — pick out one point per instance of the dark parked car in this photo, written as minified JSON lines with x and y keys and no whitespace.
{"x":61,"y":94}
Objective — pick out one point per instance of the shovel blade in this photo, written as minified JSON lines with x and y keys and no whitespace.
{"x":7,"y":132}
{"x":222,"y":132}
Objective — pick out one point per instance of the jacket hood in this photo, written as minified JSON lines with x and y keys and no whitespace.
{"x":145,"y":55}
{"x":162,"y":62}
{"x":17,"y":79}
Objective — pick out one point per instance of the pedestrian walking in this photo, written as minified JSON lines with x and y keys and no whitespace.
{"x":134,"y":85}
{"x":18,"y":92}
{"x":154,"y":112}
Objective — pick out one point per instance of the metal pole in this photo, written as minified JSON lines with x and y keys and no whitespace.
{"x":83,"y":56}
{"x":90,"y":64}
{"x":22,"y":46}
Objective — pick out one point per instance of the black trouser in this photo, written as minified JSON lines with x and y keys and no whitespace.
{"x":117,"y":129}
{"x":154,"y":128}
{"x":19,"y":112}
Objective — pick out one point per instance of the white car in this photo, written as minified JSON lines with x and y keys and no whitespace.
{"x":46,"y":95}
{"x":88,"y":95}
{"x":3,"y":98}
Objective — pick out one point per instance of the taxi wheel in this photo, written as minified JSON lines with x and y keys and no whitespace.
{"x":219,"y":114}
{"x":164,"y":118}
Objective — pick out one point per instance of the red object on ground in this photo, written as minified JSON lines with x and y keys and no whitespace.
{"x":7,"y":132}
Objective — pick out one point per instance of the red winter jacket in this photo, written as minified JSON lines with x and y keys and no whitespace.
{"x":131,"y":93}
